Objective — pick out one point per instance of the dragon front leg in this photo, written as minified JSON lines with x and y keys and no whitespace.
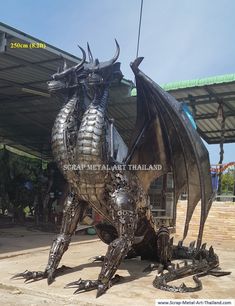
{"x":108,"y":233}
{"x":117,"y":251}
{"x":73,"y":213}
{"x":125,"y":221}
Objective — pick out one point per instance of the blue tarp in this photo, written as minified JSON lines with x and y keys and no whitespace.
{"x":187,"y":111}
{"x":215,"y":180}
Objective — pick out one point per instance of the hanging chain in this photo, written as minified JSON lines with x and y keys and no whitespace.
{"x":221,"y":154}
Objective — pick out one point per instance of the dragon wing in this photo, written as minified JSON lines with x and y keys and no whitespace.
{"x":164,"y":135}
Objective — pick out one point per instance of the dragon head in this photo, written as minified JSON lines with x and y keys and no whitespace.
{"x":100,"y":74}
{"x":66,"y":78}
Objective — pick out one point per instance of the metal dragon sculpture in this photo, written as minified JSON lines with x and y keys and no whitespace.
{"x":83,"y":135}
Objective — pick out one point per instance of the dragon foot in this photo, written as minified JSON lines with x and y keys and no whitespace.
{"x":88,"y":285}
{"x":38,"y":275}
{"x":83,"y":285}
{"x":152,"y":267}
{"x":99,"y":258}
{"x":30,"y":275}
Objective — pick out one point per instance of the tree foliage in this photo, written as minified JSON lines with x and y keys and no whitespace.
{"x":15,"y":170}
{"x":228,"y":181}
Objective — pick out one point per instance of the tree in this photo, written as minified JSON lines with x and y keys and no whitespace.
{"x":228,"y":181}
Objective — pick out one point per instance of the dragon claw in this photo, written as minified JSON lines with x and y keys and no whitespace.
{"x":183,"y":286}
{"x":99,"y":258}
{"x":72,"y":284}
{"x":19,"y":275}
{"x":50,"y":278}
{"x":30,"y":275}
{"x":151,"y":267}
{"x":88,"y":285}
{"x":38,"y":275}
{"x":101,"y":290}
{"x":83,"y":285}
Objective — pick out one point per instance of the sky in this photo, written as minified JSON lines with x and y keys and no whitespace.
{"x":180,"y":40}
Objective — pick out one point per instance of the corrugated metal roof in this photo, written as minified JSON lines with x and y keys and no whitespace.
{"x":227,"y":78}
{"x":26,"y":119}
{"x":204,"y":96}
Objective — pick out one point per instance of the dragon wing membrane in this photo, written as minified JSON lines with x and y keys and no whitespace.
{"x":171,"y":140}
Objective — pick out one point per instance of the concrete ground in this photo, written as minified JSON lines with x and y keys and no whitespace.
{"x":22,"y":249}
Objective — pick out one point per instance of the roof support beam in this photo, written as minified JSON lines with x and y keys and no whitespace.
{"x":213,"y":115}
{"x":202,"y":133}
{"x":219,"y":131}
{"x":21,"y":85}
{"x":31,"y":63}
{"x":219,"y":99}
{"x":6,"y":99}
{"x":207,"y":101}
{"x":3,"y":42}
{"x":27,"y":63}
{"x":204,"y":99}
{"x":216,"y":140}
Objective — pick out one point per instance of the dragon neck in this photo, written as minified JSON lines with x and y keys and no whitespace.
{"x":59,"y":137}
{"x":91,"y":132}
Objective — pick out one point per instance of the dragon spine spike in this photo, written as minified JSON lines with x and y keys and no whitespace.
{"x":211,"y":251}
{"x":203,"y":247}
{"x":180,"y":243}
{"x":192,"y":244}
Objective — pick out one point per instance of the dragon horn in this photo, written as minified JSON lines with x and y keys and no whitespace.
{"x":83,"y":58}
{"x":113,"y":60}
{"x":91,"y":59}
{"x":117,"y":52}
{"x":63,"y":73}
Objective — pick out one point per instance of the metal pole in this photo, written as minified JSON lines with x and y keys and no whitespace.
{"x":221,"y":156}
{"x":140,"y":20}
{"x":234,"y":183}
